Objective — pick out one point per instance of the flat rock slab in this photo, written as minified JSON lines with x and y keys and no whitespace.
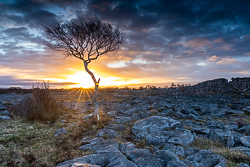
{"x":154,"y":129}
{"x":84,"y":165}
{"x":143,"y":158}
{"x":182,"y":137}
{"x":4,"y":112}
{"x":207,"y":158}
{"x":2,"y":118}
{"x":99,"y":144}
{"x":177,"y":150}
{"x":245,"y":140}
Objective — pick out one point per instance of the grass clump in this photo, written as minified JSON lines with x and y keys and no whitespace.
{"x":233,"y":157}
{"x":21,"y":145}
{"x":41,"y":105}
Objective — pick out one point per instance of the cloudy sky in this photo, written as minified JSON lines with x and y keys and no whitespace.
{"x":180,"y":41}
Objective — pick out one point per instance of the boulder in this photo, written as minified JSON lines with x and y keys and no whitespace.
{"x":243,"y":165}
{"x":182,"y":137}
{"x":154,"y":129}
{"x":121,"y":161}
{"x":98,"y":144}
{"x":4,"y":112}
{"x":2,"y":118}
{"x":245,"y":140}
{"x":116,"y":127}
{"x":107,"y":133}
{"x":241,"y":149}
{"x":177,"y":150}
{"x":230,"y":142}
{"x":191,"y":151}
{"x":84,"y":165}
{"x":143,"y":158}
{"x":193,"y":163}
{"x":207,"y":158}
{"x":247,"y":130}
{"x":101,"y":157}
{"x":201,"y":130}
{"x":166,"y":156}
{"x":123,"y":120}
{"x":60,"y":131}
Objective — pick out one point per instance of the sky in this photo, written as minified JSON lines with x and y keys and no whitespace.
{"x":165,"y":41}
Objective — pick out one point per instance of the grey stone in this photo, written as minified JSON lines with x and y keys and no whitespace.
{"x":2,"y":107}
{"x":247,"y":130}
{"x":107,"y":133}
{"x":241,"y":149}
{"x":234,"y":112}
{"x":130,"y":111}
{"x":166,"y":112}
{"x":237,"y":137}
{"x":242,"y":129}
{"x":121,"y":161}
{"x":200,"y":130}
{"x":84,"y":165}
{"x":245,"y":140}
{"x":230,"y":142}
{"x":112,"y":113}
{"x":193,"y":163}
{"x":207,"y":158}
{"x":191,"y":151}
{"x":123,"y":120}
{"x":127,"y":147}
{"x":101,"y":157}
{"x":225,"y":133}
{"x":143,"y":158}
{"x":153,"y":129}
{"x":176,"y":164}
{"x":141,"y":115}
{"x":182,"y":137}
{"x":180,"y":115}
{"x":221,"y":164}
{"x":166,"y":156}
{"x":246,"y":109}
{"x":163,"y":104}
{"x":215,"y":124}
{"x":98,"y":145}
{"x":192,"y":116}
{"x":60,"y":131}
{"x":231,"y":127}
{"x":4,"y":112}
{"x":216,"y":137}
{"x":177,"y":150}
{"x":2,"y":118}
{"x":243,"y":165}
{"x":116,"y":127}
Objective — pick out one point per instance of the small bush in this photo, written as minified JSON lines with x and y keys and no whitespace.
{"x":40,"y":106}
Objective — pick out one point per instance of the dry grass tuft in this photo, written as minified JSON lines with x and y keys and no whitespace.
{"x":233,"y":157}
{"x":40,"y":106}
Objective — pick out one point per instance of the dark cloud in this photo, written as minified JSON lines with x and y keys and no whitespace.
{"x":163,"y":38}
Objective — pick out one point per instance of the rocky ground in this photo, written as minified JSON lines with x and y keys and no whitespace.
{"x":168,"y":129}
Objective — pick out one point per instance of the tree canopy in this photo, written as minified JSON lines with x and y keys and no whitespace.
{"x":85,"y":39}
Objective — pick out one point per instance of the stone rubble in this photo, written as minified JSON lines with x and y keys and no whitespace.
{"x":170,"y":130}
{"x":170,"y":122}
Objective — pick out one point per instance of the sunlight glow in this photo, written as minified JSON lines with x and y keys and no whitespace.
{"x":83,"y":79}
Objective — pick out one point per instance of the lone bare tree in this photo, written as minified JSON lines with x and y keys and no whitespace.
{"x":85,"y":39}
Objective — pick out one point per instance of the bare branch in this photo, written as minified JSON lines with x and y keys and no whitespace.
{"x":85,"y":39}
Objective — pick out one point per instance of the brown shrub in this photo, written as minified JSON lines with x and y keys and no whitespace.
{"x":41,"y":105}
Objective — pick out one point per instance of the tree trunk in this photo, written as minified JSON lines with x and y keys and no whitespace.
{"x":95,"y":102}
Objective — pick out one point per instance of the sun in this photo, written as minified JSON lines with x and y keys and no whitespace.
{"x":82,"y":78}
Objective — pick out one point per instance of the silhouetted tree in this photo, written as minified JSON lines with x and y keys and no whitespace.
{"x":85,"y":39}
